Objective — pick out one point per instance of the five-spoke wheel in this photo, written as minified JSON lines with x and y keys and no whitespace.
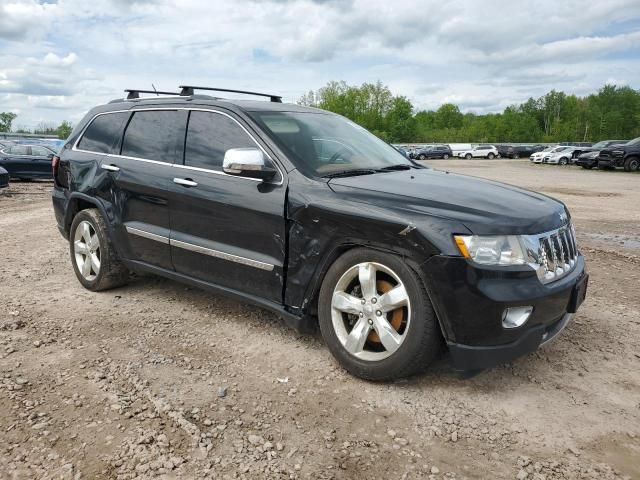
{"x":370,"y":311}
{"x":86,"y":248}
{"x":376,"y":317}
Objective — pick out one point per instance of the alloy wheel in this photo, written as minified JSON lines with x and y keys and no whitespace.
{"x":86,"y":249}
{"x":370,"y":311}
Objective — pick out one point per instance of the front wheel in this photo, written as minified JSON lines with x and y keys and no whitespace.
{"x":376,"y":317}
{"x":563,"y":161}
{"x":468,"y":156}
{"x":446,"y":156}
{"x":632,"y":164}
{"x":491,"y":156}
{"x":94,"y":259}
{"x":422,"y":157}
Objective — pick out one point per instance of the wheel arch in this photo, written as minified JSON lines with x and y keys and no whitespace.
{"x":78,"y":202}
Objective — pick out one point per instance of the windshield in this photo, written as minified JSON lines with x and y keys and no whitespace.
{"x":600,"y":144}
{"x":635,"y":141}
{"x":322,"y":144}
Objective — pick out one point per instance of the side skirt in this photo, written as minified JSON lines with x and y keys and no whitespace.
{"x":298,"y":323}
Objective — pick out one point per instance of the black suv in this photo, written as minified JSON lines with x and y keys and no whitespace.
{"x":588,"y":156}
{"x":435,"y":151}
{"x":307,"y":214}
{"x":625,"y":156}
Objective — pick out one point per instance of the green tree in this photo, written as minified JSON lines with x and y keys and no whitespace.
{"x":6,"y":119}
{"x":64,"y":130}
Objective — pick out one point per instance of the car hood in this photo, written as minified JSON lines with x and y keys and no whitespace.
{"x":485,"y":207}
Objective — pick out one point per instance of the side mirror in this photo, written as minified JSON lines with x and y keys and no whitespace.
{"x":247,"y":162}
{"x":51,"y":155}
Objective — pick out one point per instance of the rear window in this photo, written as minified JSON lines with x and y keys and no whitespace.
{"x":104,"y":132}
{"x":153,"y":135}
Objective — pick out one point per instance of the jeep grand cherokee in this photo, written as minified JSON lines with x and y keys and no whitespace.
{"x":307,"y":214}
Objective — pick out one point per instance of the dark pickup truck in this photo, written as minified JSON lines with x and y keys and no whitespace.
{"x":625,"y":156}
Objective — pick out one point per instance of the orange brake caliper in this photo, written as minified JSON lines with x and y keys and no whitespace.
{"x":396,"y":316}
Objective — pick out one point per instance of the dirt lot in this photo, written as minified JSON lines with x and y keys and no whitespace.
{"x":162,"y":379}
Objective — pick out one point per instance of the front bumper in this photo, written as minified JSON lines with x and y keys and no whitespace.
{"x":587,"y":161}
{"x":470,"y":302}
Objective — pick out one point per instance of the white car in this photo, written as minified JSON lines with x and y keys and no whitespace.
{"x":562,"y":156}
{"x":481,"y":151}
{"x":539,"y":156}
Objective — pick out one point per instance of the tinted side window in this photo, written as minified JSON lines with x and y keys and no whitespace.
{"x":209,"y":136}
{"x":153,"y":135}
{"x":19,"y":150}
{"x":103,"y":133}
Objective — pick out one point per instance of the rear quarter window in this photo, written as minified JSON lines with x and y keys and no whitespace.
{"x":103,"y":133}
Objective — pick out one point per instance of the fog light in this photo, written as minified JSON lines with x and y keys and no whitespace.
{"x":514,"y":317}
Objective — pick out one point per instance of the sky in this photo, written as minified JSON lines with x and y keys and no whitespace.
{"x":60,"y":58}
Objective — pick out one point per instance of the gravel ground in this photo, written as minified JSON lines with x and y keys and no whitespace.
{"x":159,"y":379}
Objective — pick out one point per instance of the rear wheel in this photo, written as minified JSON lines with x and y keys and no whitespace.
{"x":94,"y":259}
{"x":376,"y":317}
{"x":491,"y":156}
{"x":632,"y":164}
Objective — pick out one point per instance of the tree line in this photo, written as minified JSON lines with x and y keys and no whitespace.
{"x":611,"y":113}
{"x":62,"y":131}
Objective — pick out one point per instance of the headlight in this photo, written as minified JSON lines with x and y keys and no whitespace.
{"x":492,"y":250}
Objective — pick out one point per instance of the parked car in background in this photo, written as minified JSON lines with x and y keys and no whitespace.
{"x":435,"y":151}
{"x":588,"y":158}
{"x":625,"y":156}
{"x":4,"y":178}
{"x":560,"y":156}
{"x":481,"y":151}
{"x":27,"y":161}
{"x":402,"y":151}
{"x":456,"y":148}
{"x":537,"y":157}
{"x":518,"y":151}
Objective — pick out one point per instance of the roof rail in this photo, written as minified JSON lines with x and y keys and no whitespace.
{"x":188,"y":90}
{"x":133,"y":94}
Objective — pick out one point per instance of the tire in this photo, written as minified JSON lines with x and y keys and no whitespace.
{"x":414,"y":335}
{"x":632,"y":164}
{"x":491,"y":156}
{"x":422,"y":157}
{"x":563,"y":161}
{"x":111,"y":272}
{"x":468,"y":156}
{"x":446,"y":156}
{"x":515,"y":155}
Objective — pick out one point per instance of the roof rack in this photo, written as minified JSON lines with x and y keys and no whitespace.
{"x":189,"y":90}
{"x":133,"y":94}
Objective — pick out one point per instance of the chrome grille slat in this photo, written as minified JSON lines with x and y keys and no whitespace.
{"x":557,"y":253}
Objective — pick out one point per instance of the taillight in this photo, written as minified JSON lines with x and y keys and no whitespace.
{"x":55,"y":163}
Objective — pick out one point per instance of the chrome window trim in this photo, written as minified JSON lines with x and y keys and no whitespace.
{"x":148,"y":235}
{"x":188,"y":167}
{"x":199,"y":249}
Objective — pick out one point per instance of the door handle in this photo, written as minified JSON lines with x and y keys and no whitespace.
{"x":187,"y":182}
{"x":110,"y":168}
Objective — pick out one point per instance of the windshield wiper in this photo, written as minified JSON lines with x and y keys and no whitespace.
{"x":350,"y":173}
{"x":400,"y":166}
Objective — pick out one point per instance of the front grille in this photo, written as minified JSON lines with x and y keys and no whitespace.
{"x":604,"y":154}
{"x":558,"y":253}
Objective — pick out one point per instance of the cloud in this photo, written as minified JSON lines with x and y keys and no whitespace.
{"x":61,"y":58}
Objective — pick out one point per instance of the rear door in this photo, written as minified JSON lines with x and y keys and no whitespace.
{"x":226,"y":230}
{"x":41,"y":161}
{"x":140,"y":175}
